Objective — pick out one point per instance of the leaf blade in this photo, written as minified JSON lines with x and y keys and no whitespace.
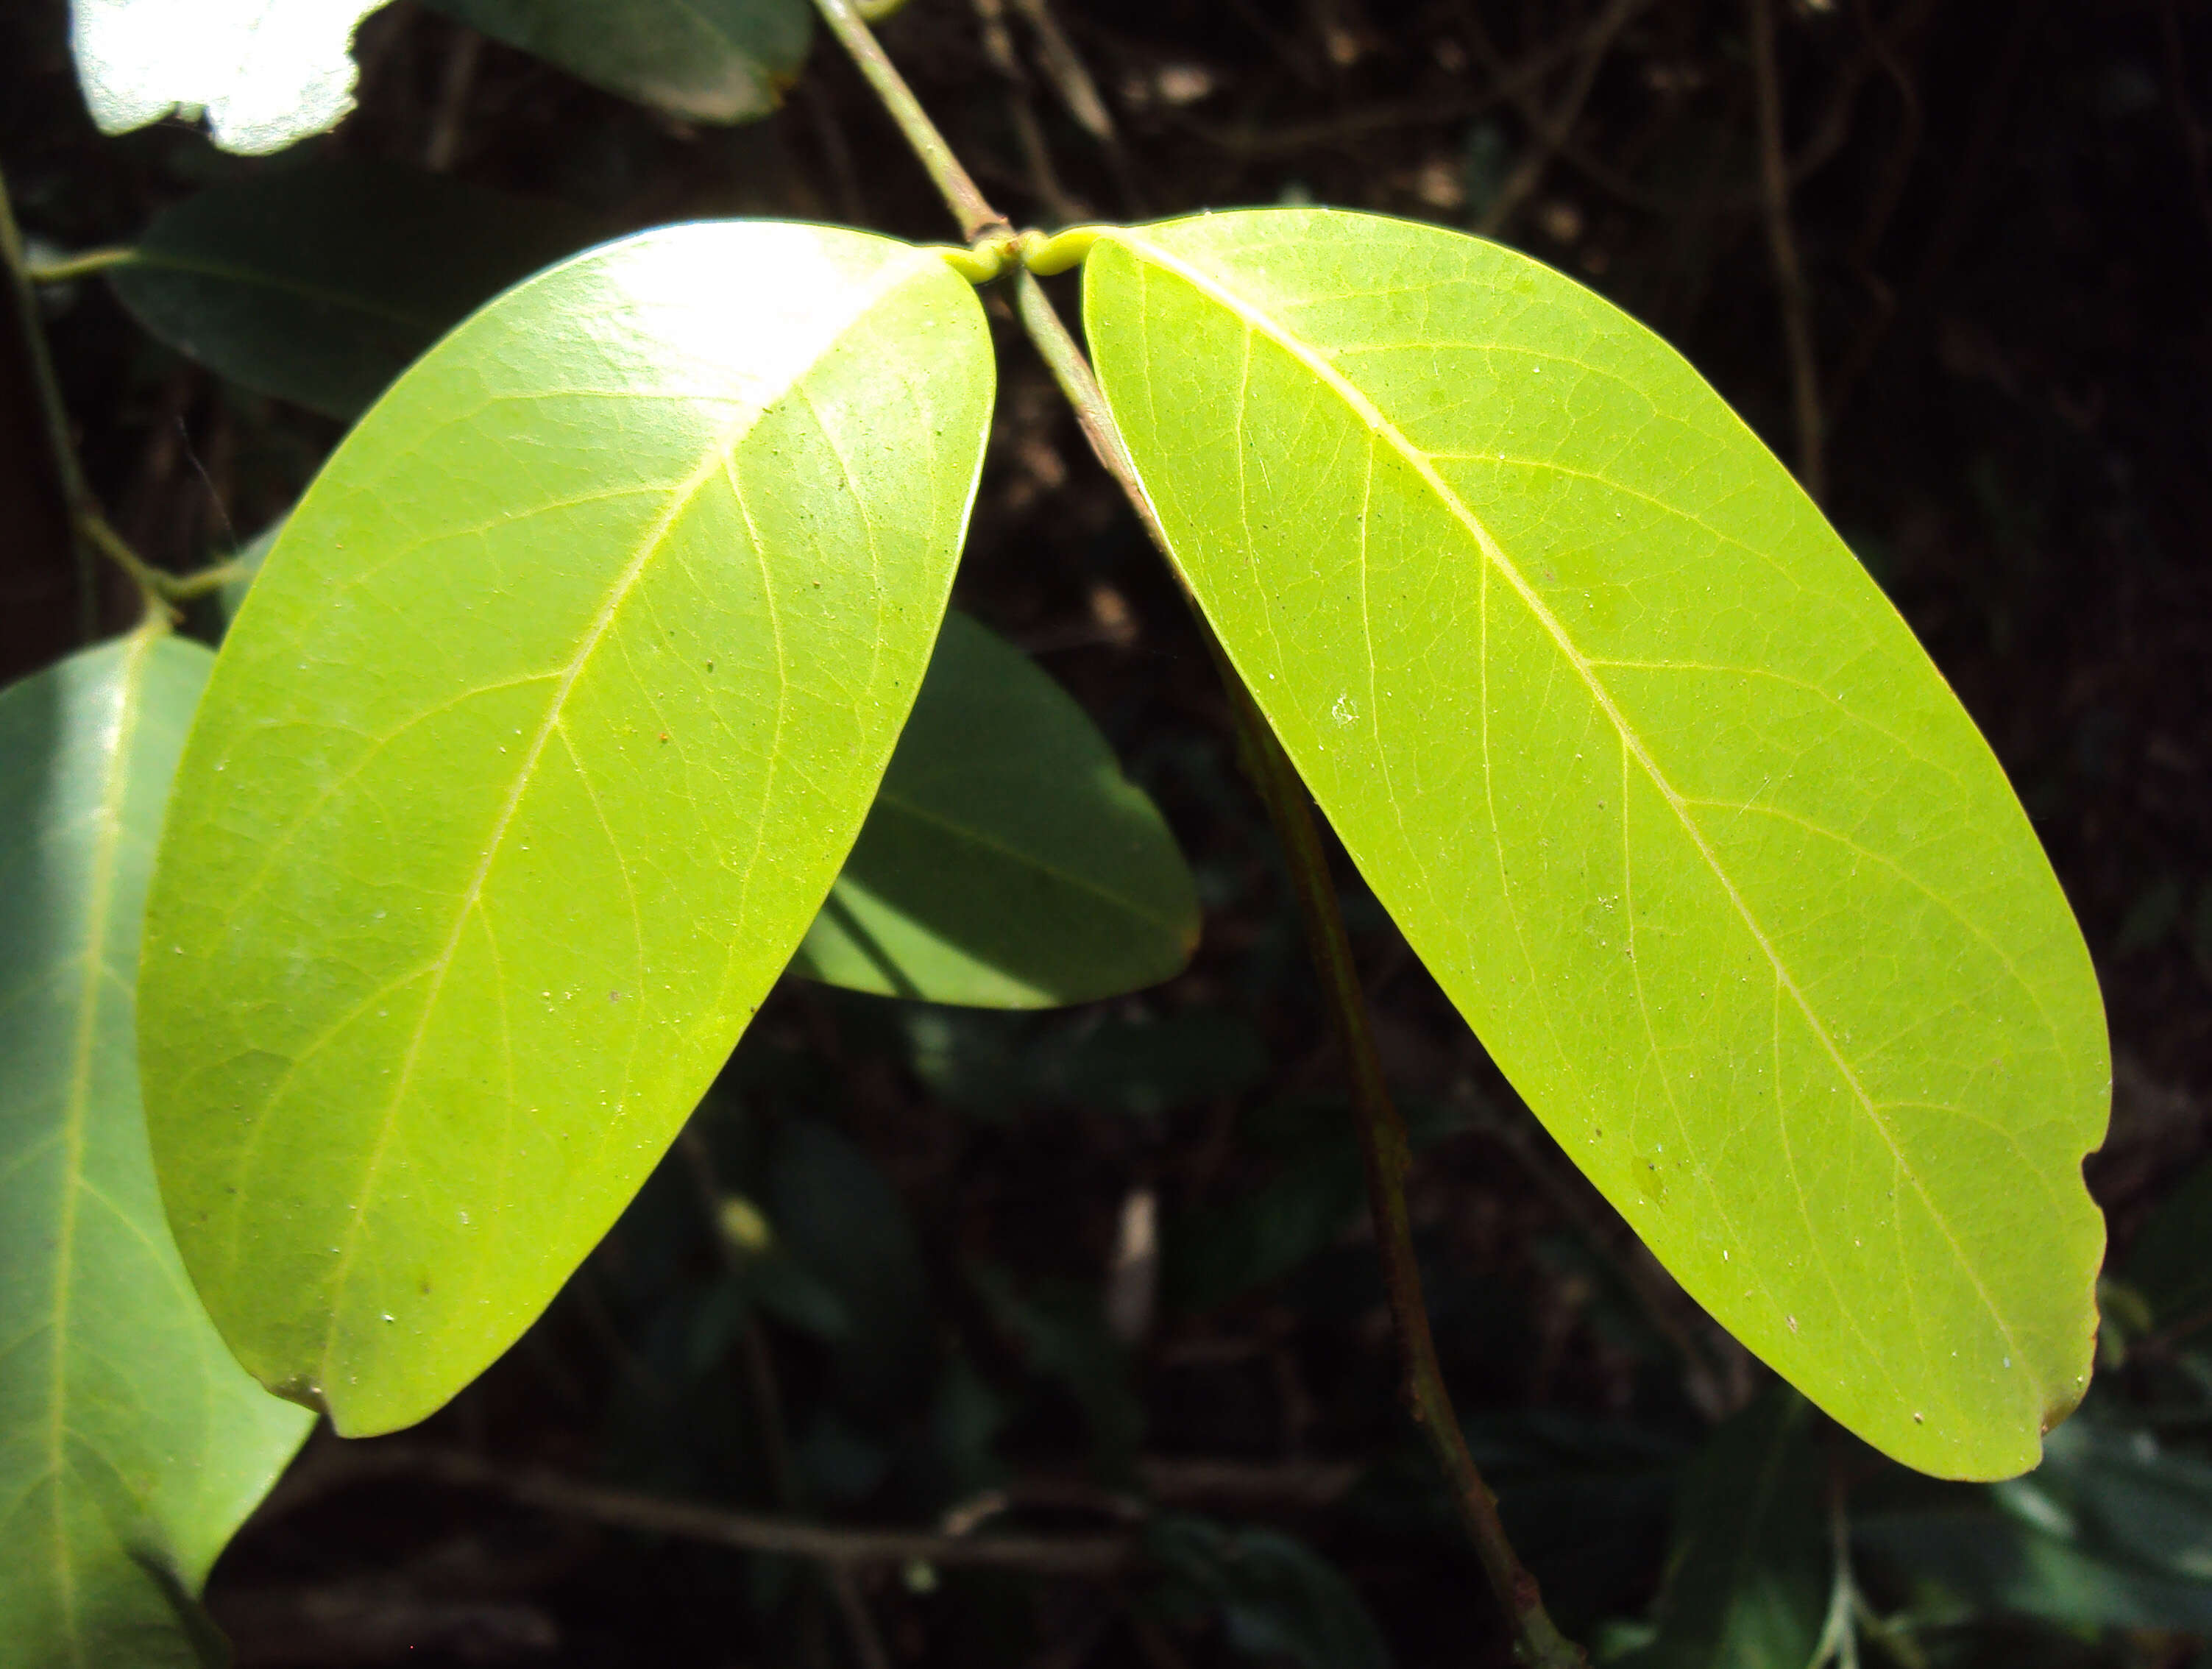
{"x":703,"y":60}
{"x":1007,"y":863}
{"x":686,"y":510}
{"x":265,"y":81}
{"x":321,"y":282}
{"x":136,"y":1447}
{"x":1584,"y":742}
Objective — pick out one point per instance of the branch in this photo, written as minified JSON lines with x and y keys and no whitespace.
{"x":1781,"y":244}
{"x":1552,"y":127}
{"x":755,"y":1532}
{"x":961,"y":194}
{"x":70,"y":267}
{"x":68,"y":473}
{"x":1382,"y":1133}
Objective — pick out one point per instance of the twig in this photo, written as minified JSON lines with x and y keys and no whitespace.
{"x":1071,"y":79}
{"x":852,"y":202}
{"x":83,"y":265}
{"x":158,"y":587}
{"x":768,"y":1411}
{"x":2195,"y":144}
{"x":1552,"y":127}
{"x":1382,"y":1133}
{"x":444,"y":146}
{"x":61,"y":443}
{"x":89,"y":529}
{"x":1092,"y":1556}
{"x":1065,"y":69}
{"x":1991,"y":112}
{"x":1044,"y":180}
{"x":852,"y":1604}
{"x":961,"y":194}
{"x":1782,"y":246}
{"x":1715,"y":1378}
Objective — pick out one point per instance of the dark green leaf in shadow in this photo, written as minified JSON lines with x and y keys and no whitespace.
{"x":840,"y":1220}
{"x":2112,"y":1530}
{"x":321,"y":282}
{"x":1222,"y":1253}
{"x":2171,"y":1262}
{"x":1749,"y":1576}
{"x":1279,"y":1598}
{"x":991,"y":1064}
{"x":1063,"y":1336}
{"x":1147,"y":1067}
{"x":1006,"y":863}
{"x":131,"y":1445}
{"x":703,"y":60}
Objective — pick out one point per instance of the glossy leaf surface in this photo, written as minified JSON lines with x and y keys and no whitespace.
{"x":1008,"y":862}
{"x":322,"y":283}
{"x":1657,"y":784}
{"x":265,"y":72}
{"x":704,"y":60}
{"x":131,"y":1445}
{"x":526,"y":763}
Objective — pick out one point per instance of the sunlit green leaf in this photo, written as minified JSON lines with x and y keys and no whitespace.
{"x":705,"y":60}
{"x":1656,"y":783}
{"x":1008,"y":862}
{"x":1750,"y":1578}
{"x":265,"y":74}
{"x":131,"y":1445}
{"x":530,"y":756}
{"x":322,"y":283}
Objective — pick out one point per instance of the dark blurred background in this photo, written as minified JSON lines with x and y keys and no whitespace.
{"x":1982,"y":324}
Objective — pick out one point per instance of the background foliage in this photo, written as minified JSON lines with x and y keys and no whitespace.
{"x":1107,"y":1264}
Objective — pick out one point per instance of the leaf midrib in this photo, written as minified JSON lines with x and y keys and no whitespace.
{"x":979,"y":837}
{"x":892,"y":275}
{"x":99,"y":904}
{"x":155,"y":258}
{"x":1260,"y":322}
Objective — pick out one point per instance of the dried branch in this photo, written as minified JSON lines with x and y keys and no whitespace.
{"x":1552,"y":128}
{"x":1088,"y":1556}
{"x":1782,"y":246}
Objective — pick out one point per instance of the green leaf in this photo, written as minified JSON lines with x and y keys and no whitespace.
{"x":1656,"y":783}
{"x":131,"y":1445}
{"x":2112,"y":1530}
{"x":2171,"y":1262}
{"x":839,"y":1219}
{"x":1281,"y":1601}
{"x":1749,"y":1578}
{"x":703,"y":60}
{"x":1008,"y":862}
{"x":322,"y":283}
{"x":263,"y":75}
{"x":1064,"y":1338}
{"x":248,"y":559}
{"x":531,"y":754}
